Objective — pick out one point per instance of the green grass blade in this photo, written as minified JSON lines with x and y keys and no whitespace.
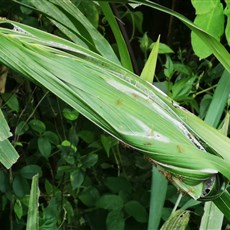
{"x":223,"y":203}
{"x":122,"y":48}
{"x":148,"y":71}
{"x":33,"y":217}
{"x":159,"y":187}
{"x":212,"y":218}
{"x":219,"y":100}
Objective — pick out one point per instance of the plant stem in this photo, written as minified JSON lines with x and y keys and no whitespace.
{"x":205,"y":90}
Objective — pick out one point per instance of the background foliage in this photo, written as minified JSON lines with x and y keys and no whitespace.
{"x":89,"y":180}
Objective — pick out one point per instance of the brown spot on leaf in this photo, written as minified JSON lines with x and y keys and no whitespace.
{"x":119,"y":102}
{"x":180,"y":148}
{"x":154,"y":163}
{"x":135,"y":95}
{"x":191,"y":190}
{"x":148,"y":143}
{"x":167,"y":175}
{"x":126,"y":146}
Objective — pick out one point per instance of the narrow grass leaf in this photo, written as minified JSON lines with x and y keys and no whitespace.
{"x":122,"y":47}
{"x":219,"y":100}
{"x":148,"y":71}
{"x":212,"y":218}
{"x":223,"y":203}
{"x":113,"y":86}
{"x":33,"y":216}
{"x":159,"y":187}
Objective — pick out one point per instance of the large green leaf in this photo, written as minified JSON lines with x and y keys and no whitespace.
{"x":33,"y":217}
{"x":105,"y":96}
{"x":122,"y":104}
{"x":209,"y":17}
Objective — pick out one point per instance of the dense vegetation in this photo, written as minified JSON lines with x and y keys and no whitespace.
{"x":87,"y":178}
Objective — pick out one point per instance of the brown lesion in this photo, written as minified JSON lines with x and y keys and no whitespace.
{"x":119,"y":102}
{"x":180,"y":178}
{"x":126,"y":146}
{"x":148,"y":143}
{"x":150,"y":160}
{"x":135,"y":95}
{"x":180,"y":148}
{"x":191,"y":190}
{"x":167,"y":175}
